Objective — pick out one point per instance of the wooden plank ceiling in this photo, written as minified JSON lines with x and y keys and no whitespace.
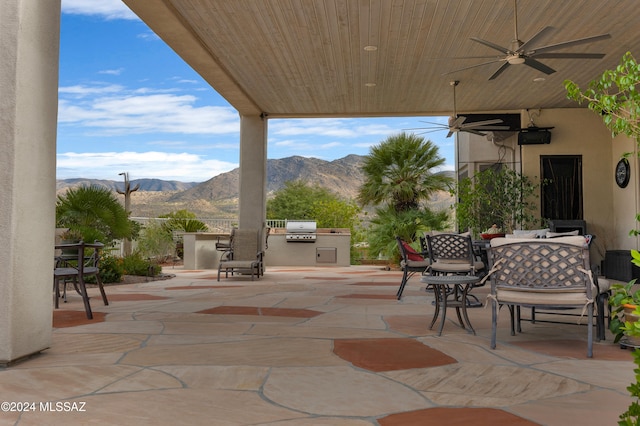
{"x":309,"y":58}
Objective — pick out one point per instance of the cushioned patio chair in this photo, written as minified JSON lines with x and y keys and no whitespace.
{"x":411,"y":262}
{"x":543,"y":273}
{"x":245,"y":256}
{"x":226,"y":245}
{"x":602,"y":290}
{"x":453,"y":254}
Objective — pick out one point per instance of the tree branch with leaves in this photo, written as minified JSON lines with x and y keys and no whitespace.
{"x":614,"y":96}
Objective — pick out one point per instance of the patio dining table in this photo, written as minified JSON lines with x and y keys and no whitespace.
{"x":460,"y":286}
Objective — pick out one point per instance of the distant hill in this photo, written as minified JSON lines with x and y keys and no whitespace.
{"x":145,"y":184}
{"x":218,"y":197}
{"x":343,"y":177}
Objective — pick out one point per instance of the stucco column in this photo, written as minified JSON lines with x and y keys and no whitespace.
{"x":29,"y":42}
{"x":253,"y":171}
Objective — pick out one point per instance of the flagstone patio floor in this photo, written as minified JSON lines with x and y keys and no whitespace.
{"x":307,"y":346}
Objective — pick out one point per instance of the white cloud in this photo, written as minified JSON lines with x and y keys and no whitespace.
{"x":112,"y":72}
{"x":121,"y":113}
{"x":80,"y":90}
{"x":342,"y":128}
{"x":148,"y":36}
{"x":109,"y":9}
{"x":183,"y":167}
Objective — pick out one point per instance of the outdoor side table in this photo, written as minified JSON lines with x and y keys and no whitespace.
{"x":459,"y":285}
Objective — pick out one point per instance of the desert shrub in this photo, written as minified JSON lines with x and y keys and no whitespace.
{"x":110,"y":269}
{"x":135,"y":264}
{"x":183,"y":220}
{"x":156,"y":242}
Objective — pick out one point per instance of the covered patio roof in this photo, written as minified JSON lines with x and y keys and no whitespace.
{"x":310,"y":58}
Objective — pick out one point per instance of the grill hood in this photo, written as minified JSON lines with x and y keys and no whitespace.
{"x":301,"y":227}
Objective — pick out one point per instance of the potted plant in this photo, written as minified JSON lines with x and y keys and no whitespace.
{"x":70,"y":236}
{"x":624,"y":302}
{"x":495,"y":201}
{"x":631,"y":329}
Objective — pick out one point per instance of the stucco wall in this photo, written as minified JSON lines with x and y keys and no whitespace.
{"x":28,"y":106}
{"x":626,"y":201}
{"x":578,"y":131}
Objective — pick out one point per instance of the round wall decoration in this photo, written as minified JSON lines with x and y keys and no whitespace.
{"x":623,"y":173}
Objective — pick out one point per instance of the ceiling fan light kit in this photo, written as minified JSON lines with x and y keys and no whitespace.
{"x":515,"y":59}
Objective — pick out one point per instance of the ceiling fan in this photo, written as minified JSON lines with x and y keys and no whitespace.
{"x":525,"y":53}
{"x":457,"y":123}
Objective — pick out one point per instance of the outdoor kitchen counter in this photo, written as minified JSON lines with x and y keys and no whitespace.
{"x":200,"y":249}
{"x":330,"y":248}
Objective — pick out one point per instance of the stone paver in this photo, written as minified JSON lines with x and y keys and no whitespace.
{"x":308,"y":346}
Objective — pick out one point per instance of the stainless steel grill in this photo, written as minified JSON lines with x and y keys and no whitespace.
{"x":301,"y":231}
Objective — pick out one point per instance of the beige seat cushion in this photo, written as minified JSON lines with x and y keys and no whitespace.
{"x":541,"y":297}
{"x":455,"y":267}
{"x":577,"y":240}
{"x":604,"y":284}
{"x":416,"y":263}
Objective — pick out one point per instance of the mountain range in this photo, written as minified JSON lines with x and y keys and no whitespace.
{"x":218,"y":196}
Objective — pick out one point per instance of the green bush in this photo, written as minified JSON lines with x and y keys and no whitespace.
{"x":156,"y":241}
{"x":110,"y":269}
{"x":137,"y":265}
{"x":183,"y":220}
{"x":503,"y":197}
{"x":408,"y":225}
{"x":95,"y":213}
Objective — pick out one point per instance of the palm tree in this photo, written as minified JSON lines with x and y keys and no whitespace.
{"x":94,"y":212}
{"x":399,"y":179}
{"x":400,"y":172}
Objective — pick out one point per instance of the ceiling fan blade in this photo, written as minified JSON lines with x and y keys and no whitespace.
{"x":457,"y":122}
{"x":428,"y":131}
{"x":435,"y":129}
{"x":434,"y":123}
{"x":438,"y":58}
{"x":500,"y":70}
{"x":451,"y":132}
{"x":569,"y":43}
{"x":533,"y":39}
{"x":570,"y":55}
{"x":492,"y":128}
{"x":538,"y":65}
{"x":475,"y":132}
{"x":481,"y":123}
{"x":474,"y":66}
{"x":492,"y":45}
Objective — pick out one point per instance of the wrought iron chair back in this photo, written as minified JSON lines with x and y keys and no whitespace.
{"x":452,"y":254}
{"x":410,"y":263}
{"x":541,"y":273}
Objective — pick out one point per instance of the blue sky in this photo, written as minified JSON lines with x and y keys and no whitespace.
{"x":128,"y":103}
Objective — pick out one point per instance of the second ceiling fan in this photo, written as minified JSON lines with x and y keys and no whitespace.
{"x":458,"y":123}
{"x":526,"y":53}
